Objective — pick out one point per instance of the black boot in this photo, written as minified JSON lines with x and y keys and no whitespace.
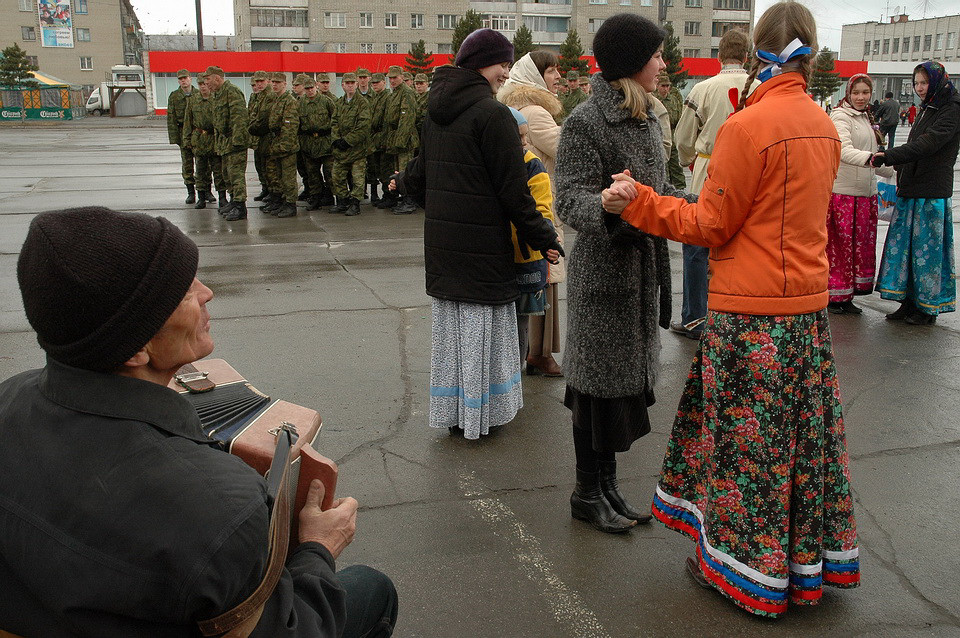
{"x":326,"y":196}
{"x":304,"y":196}
{"x":610,"y":488}
{"x":236,"y":212}
{"x":287,"y":209}
{"x":314,"y":203}
{"x":202,"y":198}
{"x":191,"y":195}
{"x":587,"y":503}
{"x":222,"y":206}
{"x":353,"y":207}
{"x":374,"y":197}
{"x":404,"y":207}
{"x":272,"y":207}
{"x":905,"y":310}
{"x":263,"y":193}
{"x":389,"y":200}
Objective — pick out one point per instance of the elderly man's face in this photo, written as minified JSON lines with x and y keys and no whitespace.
{"x":185,"y":337}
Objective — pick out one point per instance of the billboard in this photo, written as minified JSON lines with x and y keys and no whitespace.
{"x":56,"y":23}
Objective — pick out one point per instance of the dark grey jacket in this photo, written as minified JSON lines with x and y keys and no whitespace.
{"x":925,"y":163}
{"x":118,"y":518}
{"x":618,"y":289}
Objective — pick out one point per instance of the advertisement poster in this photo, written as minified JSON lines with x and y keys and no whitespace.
{"x":56,"y":23}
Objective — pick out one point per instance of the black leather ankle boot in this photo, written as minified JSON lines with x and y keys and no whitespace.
{"x":587,"y":503}
{"x":611,"y":490}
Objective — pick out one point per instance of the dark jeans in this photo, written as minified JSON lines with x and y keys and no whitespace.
{"x":891,"y":134}
{"x":694,"y":283}
{"x":371,"y":602}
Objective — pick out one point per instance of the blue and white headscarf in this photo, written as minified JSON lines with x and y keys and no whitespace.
{"x":775,"y":62}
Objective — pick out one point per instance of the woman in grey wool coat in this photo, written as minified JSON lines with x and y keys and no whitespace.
{"x":618,"y":280}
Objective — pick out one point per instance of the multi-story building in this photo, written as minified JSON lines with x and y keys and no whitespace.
{"x":78,"y":41}
{"x":392,"y":26}
{"x":894,"y":48}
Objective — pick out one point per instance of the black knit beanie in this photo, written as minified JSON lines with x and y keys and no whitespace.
{"x":624,"y":44}
{"x":98,"y":284}
{"x":483,"y":48}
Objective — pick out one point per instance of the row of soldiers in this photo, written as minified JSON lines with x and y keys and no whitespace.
{"x":339,"y":146}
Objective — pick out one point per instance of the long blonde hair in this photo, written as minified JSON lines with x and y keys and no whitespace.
{"x":635,"y":98}
{"x":777,"y":28}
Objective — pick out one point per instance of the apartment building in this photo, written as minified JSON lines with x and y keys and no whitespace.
{"x":77,"y":41}
{"x":382,"y":26}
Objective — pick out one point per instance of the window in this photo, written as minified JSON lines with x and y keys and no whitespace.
{"x":951,"y":39}
{"x":83,"y":35}
{"x":595,"y":24}
{"x":691,"y":28}
{"x":547,"y":24}
{"x":366,"y":20}
{"x":694,"y":4}
{"x":86,"y":63}
{"x":79,"y":6}
{"x":719,"y":28}
{"x":927,"y":41}
{"x":866,"y":47}
{"x":33,"y":61}
{"x":416,"y":20}
{"x":646,"y":3}
{"x":500,"y":22}
{"x":691,"y":53}
{"x":338,"y":47}
{"x":390,"y":21}
{"x":279,"y":17}
{"x":366,"y":47}
{"x":876,"y":47}
{"x":626,"y":3}
{"x":714,"y":53}
{"x":446,"y":21}
{"x":28,"y":33}
{"x":27,"y":5}
{"x":906,"y":45}
{"x":896,"y":45}
{"x":598,"y":1}
{"x":391,"y":47}
{"x":939,"y":42}
{"x":445,"y":47}
{"x":916,"y":43}
{"x":334,"y":20}
{"x":886,"y":46}
{"x":737,"y":5}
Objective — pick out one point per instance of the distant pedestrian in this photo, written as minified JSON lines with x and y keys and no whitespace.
{"x":918,"y":264}
{"x":912,"y":114}
{"x":261,"y":91}
{"x":198,"y":135}
{"x":401,"y":137}
{"x":756,"y":469}
{"x":230,"y":122}
{"x":176,"y":106}
{"x":316,"y":142}
{"x":887,"y":116}
{"x":351,"y":138}
{"x":852,"y":215}
{"x":284,"y":123}
{"x":472,"y":190}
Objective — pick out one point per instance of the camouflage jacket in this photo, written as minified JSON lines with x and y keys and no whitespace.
{"x":284,"y":123}
{"x":253,"y":109}
{"x":259,"y":126}
{"x":316,"y":120}
{"x":400,"y":121}
{"x":176,"y":106}
{"x":198,"y":126}
{"x":674,"y":105}
{"x":421,"y":109}
{"x":351,"y":123}
{"x":230,"y":119}
{"x":378,"y":105}
{"x":572,"y":100}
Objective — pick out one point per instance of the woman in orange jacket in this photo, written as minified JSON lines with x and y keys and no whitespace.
{"x":756,"y":470}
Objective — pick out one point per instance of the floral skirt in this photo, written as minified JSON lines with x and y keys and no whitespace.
{"x":756,"y":470}
{"x":851,"y":245}
{"x":918,"y":261}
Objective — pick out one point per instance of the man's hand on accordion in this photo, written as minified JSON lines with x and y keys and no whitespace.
{"x":333,"y":528}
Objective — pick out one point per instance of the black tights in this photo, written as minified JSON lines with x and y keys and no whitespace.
{"x":588,"y":459}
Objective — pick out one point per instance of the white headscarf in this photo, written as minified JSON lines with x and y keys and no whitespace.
{"x":523,"y":73}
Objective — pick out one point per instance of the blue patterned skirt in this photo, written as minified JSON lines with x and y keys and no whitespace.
{"x":918,"y":260}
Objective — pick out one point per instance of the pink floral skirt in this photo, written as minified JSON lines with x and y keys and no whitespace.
{"x":851,"y":245}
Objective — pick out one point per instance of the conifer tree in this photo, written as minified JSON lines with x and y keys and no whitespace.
{"x":470,"y":22}
{"x":673,"y":56}
{"x":418,"y":60}
{"x":570,"y":55}
{"x":15,"y":69}
{"x":522,"y":42}
{"x":825,"y":81}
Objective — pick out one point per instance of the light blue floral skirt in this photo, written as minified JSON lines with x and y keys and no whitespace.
{"x":918,"y":260}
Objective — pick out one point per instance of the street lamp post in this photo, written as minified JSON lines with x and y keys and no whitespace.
{"x":199,"y":28}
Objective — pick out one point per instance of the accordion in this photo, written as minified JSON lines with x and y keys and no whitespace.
{"x":245,"y":422}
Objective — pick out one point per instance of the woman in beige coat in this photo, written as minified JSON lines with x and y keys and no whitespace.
{"x":531,"y":90}
{"x":852,"y":215}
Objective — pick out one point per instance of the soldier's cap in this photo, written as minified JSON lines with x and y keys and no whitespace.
{"x":300,"y":78}
{"x":377,"y":77}
{"x":323,"y":77}
{"x":214,"y":70}
{"x":363,"y":73}
{"x":407,"y":75}
{"x":183,"y":73}
{"x":202,"y":76}
{"x":260,"y":75}
{"x":278,"y":76}
{"x":420,"y":77}
{"x":663,"y":78}
{"x":348,"y":77}
{"x":562,"y":82}
{"x":573,"y":75}
{"x":394,"y":72}
{"x":309,"y":82}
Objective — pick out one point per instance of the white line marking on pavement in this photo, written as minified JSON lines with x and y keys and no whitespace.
{"x":567,"y":607}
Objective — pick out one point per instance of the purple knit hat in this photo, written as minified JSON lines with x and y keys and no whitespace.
{"x":483,"y":48}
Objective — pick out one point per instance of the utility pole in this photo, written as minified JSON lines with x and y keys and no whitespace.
{"x":662,"y":11}
{"x":199,"y":28}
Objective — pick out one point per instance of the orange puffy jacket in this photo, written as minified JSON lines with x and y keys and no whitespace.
{"x":763,"y":207}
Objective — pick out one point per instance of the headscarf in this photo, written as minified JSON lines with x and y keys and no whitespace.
{"x":523,"y":73}
{"x":857,"y":77}
{"x":940,"y":88}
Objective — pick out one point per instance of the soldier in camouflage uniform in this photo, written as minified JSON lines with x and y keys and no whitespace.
{"x":284,"y":124}
{"x":400,"y":134}
{"x":198,"y":134}
{"x":378,"y":103}
{"x":230,"y":122}
{"x":298,"y":92}
{"x":673,"y":101}
{"x":259,"y":127}
{"x":363,"y":82}
{"x":351,"y":139}
{"x":261,"y":88}
{"x":176,"y":105}
{"x":408,"y":78}
{"x":316,"y":122}
{"x":326,"y":185}
{"x":422,"y":87}
{"x":574,"y":97}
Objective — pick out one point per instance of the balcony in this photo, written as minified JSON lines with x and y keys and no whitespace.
{"x":543,"y":8}
{"x":483,"y":6}
{"x":547,"y":37}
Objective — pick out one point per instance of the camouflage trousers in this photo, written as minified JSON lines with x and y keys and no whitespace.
{"x":282,"y":176}
{"x":186,"y":165}
{"x":394,"y":164}
{"x":319,"y":174}
{"x":234,"y":167}
{"x":207,"y":165}
{"x":356,"y":173}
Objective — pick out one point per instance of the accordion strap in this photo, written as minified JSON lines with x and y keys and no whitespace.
{"x":193,"y":379}
{"x":240,"y":621}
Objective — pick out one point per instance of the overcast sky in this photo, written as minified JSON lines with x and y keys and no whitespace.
{"x":170,"y":16}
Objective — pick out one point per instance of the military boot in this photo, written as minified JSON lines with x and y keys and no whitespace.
{"x":314,"y":203}
{"x":223,"y":206}
{"x":239,"y":211}
{"x":304,"y":196}
{"x":374,"y":197}
{"x":353,"y":208}
{"x":404,"y":207}
{"x":287,"y":209}
{"x":343,"y":204}
{"x":263,"y":194}
{"x":202,"y":198}
{"x":389,"y":200}
{"x":191,"y":195}
{"x":271,"y":208}
{"x":326,"y":196}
